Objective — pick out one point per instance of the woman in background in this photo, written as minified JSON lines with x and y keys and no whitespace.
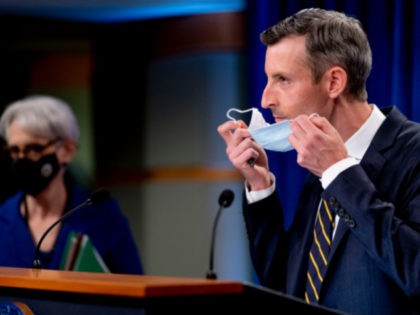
{"x":41,"y":133}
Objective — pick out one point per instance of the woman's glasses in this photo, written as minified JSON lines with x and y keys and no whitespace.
{"x":31,"y":151}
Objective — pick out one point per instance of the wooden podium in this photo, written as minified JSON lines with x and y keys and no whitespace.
{"x":70,"y":292}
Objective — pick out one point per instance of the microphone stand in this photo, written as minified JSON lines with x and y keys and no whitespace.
{"x":97,"y":196}
{"x":37,"y":260}
{"x":211,"y":274}
{"x":225,"y":200}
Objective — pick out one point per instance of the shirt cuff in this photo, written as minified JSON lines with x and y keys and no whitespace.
{"x":254,"y":196}
{"x":334,"y":170}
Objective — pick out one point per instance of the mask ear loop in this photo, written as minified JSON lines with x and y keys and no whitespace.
{"x":240,"y":111}
{"x":251,"y":161}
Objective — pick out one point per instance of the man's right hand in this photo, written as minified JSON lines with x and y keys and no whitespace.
{"x":240,"y":148}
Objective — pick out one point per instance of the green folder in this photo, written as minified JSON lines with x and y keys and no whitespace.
{"x":81,"y":255}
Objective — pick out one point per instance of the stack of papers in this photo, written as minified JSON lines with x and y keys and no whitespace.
{"x":81,"y":255}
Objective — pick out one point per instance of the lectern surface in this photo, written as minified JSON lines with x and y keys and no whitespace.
{"x":48,"y":292}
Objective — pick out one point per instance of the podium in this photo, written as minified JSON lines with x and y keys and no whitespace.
{"x":70,"y":292}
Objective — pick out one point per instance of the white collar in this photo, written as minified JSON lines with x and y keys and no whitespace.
{"x":359,"y":142}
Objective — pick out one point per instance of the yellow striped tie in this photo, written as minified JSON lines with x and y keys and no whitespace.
{"x":318,"y":255}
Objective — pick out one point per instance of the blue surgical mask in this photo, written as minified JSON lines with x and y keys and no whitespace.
{"x":271,"y":137}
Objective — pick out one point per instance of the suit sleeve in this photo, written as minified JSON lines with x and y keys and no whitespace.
{"x":384,"y":215}
{"x":265,"y":231}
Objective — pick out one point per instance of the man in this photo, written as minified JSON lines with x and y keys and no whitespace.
{"x":364,"y":163}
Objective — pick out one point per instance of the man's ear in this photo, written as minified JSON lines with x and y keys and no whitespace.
{"x":336,"y":80}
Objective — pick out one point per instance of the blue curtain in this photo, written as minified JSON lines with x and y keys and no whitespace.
{"x":393,"y":29}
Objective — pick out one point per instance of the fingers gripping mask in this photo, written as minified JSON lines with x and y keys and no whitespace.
{"x":271,"y":137}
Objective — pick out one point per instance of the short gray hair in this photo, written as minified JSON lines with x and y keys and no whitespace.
{"x":41,"y":115}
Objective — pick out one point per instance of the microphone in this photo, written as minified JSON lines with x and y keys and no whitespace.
{"x":96,"y":197}
{"x":225,"y":200}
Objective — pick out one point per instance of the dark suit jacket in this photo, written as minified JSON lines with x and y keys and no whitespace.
{"x":374,"y":263}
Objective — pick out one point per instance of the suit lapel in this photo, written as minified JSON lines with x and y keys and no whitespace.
{"x":373,"y":162}
{"x":302,"y":237}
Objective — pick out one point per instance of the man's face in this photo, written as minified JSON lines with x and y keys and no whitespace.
{"x":290,"y":90}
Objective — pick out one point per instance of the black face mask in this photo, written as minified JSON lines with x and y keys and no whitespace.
{"x":34,"y":176}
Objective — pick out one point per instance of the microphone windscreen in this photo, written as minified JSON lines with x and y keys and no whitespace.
{"x":226,"y":198}
{"x":99,"y":195}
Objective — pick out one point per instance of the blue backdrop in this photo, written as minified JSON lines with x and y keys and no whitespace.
{"x":393,"y":29}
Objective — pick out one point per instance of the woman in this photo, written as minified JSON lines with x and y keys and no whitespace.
{"x":42,"y":134}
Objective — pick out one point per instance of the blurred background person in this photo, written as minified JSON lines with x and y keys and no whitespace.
{"x":41,"y":135}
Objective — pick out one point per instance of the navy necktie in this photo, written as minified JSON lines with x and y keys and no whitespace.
{"x":318,"y":255}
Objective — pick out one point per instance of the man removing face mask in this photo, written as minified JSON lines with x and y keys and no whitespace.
{"x":42,"y":133}
{"x":271,"y":137}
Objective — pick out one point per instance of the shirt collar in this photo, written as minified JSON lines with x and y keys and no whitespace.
{"x":359,"y":142}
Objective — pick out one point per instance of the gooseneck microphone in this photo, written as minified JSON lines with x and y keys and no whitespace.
{"x":96,"y":197}
{"x":225,"y":200}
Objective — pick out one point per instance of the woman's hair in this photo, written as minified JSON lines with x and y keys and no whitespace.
{"x":41,"y":115}
{"x":332,"y":39}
